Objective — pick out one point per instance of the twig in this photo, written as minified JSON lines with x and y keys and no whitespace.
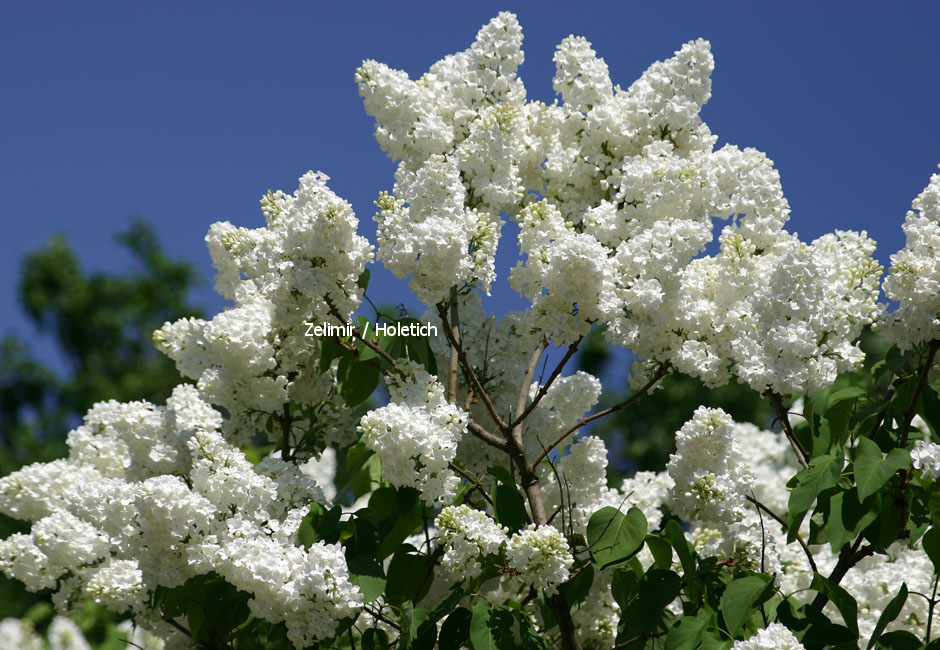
{"x":480,"y":432}
{"x":802,"y":455}
{"x":378,"y":615}
{"x":285,"y":432}
{"x":543,"y":389}
{"x":178,"y":627}
{"x":660,"y":373}
{"x":355,"y":330}
{"x":468,"y":369}
{"x":921,"y":382}
{"x":779,"y":520}
{"x":516,"y":428}
{"x":455,"y":336}
{"x":848,"y":557}
{"x":476,"y":483}
{"x":933,"y":604}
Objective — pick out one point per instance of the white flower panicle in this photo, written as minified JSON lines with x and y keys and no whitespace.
{"x":773,"y":637}
{"x":710,"y":479}
{"x":117,"y":528}
{"x":926,"y":457}
{"x":468,"y":536}
{"x":914,"y":278}
{"x":62,"y":634}
{"x":540,"y":554}
{"x":615,"y":192}
{"x":416,"y":434}
{"x":251,"y":358}
{"x":459,"y":134}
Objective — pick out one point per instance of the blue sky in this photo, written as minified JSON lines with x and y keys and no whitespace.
{"x":186,"y":113}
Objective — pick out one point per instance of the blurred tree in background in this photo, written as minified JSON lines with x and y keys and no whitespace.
{"x":101,"y":324}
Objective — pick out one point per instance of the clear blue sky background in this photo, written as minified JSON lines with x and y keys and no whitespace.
{"x":186,"y":113}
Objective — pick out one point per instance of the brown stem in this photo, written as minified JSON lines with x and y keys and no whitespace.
{"x":779,"y":520}
{"x":933,"y":604}
{"x":543,"y":389}
{"x":358,"y":334}
{"x":475,"y":482}
{"x":480,"y":432}
{"x":802,"y":455}
{"x":533,"y":492}
{"x":455,"y":336}
{"x":468,"y":368}
{"x":849,"y":556}
{"x":558,"y":603}
{"x":660,"y":373}
{"x":921,"y":382}
{"x":516,"y":426}
{"x":286,"y":421}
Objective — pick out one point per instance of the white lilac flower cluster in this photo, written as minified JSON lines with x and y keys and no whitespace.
{"x":709,"y":475}
{"x":468,"y":536}
{"x":615,"y":192}
{"x":152,"y":496}
{"x":538,"y":555}
{"x":457,"y":132}
{"x":253,"y":358}
{"x":914,"y":278}
{"x":416,"y":434}
{"x":773,"y":637}
{"x":926,"y":457}
{"x":63,"y":634}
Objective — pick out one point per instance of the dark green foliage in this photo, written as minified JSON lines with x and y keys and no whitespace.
{"x":102,"y":323}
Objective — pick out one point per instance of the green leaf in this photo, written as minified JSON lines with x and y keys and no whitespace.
{"x":930,"y":408}
{"x":661,"y":550}
{"x":841,"y":599}
{"x":686,"y":634}
{"x":329,"y":350}
{"x":510,"y":507}
{"x":740,"y":599}
{"x":658,"y":588}
{"x":357,"y":380}
{"x":624,"y":587}
{"x":931,"y":544}
{"x":614,"y":537}
{"x":847,"y":393}
{"x":407,"y":572}
{"x":449,"y":604}
{"x":823,"y":473}
{"x":368,"y":575}
{"x":577,"y":589}
{"x":871,"y":472}
{"x":417,"y":633}
{"x":899,"y":640}
{"x":403,"y":519}
{"x":319,"y":524}
{"x":847,"y":517}
{"x":455,"y":631}
{"x":374,"y":639}
{"x":363,"y":470}
{"x":480,"y":634}
{"x":363,"y":280}
{"x":673,"y":533}
{"x":889,"y":614}
{"x":531,"y":639}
